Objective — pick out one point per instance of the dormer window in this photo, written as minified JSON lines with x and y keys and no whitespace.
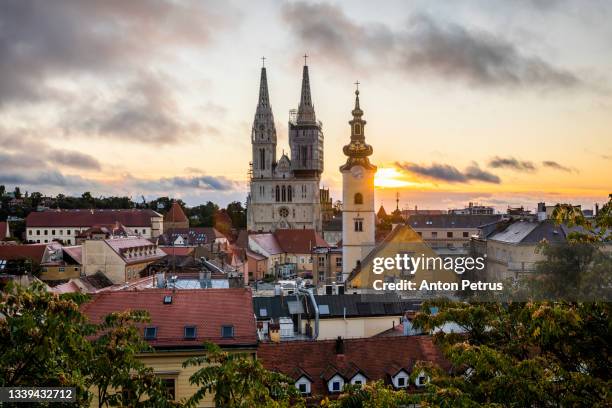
{"x":190,"y":332}
{"x":358,"y":379}
{"x":421,"y":380}
{"x":303,"y":385}
{"x":335,"y":384}
{"x":400,"y":380}
{"x":150,"y":333}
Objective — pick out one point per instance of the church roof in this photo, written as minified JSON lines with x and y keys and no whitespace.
{"x":381,"y":212}
{"x":175,"y":214}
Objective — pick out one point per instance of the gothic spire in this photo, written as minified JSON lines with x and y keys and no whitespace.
{"x":263,"y":124}
{"x":306,"y":112}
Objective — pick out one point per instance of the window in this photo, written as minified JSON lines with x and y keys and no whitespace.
{"x":46,"y":232}
{"x":29,"y":232}
{"x":289,"y":194}
{"x":61,"y":232}
{"x":263,"y":312}
{"x":323,"y":309}
{"x":303,"y":387}
{"x":434,"y":234}
{"x":284,"y":194}
{"x":52,"y":232}
{"x":190,"y":332}
{"x":401,"y":382}
{"x":466,"y":234}
{"x":150,"y":333}
{"x":358,"y":224}
{"x":357,"y":128}
{"x":262,"y":159}
{"x":62,"y":269}
{"x":227,"y":332}
{"x":358,"y":198}
{"x":338,"y":262}
{"x":67,"y":232}
{"x":321,"y":262}
{"x":277,"y":193}
{"x":170,"y":385}
{"x":167,"y":299}
{"x":37,"y":232}
{"x":449,"y":234}
{"x":336,"y":386}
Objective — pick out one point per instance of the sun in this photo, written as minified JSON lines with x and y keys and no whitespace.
{"x":390,"y":177}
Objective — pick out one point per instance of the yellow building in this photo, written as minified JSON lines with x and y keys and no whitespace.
{"x":181,"y":321}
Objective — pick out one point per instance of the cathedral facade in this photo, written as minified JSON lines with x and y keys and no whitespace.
{"x":284,"y":193}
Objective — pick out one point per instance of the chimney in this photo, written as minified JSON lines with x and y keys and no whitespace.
{"x":339,"y":345}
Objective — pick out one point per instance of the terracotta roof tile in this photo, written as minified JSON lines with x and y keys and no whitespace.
{"x":88,"y":218}
{"x":299,"y":241}
{"x":206,"y":309}
{"x":374,"y":357}
{"x":14,"y":252}
{"x":175,"y":214}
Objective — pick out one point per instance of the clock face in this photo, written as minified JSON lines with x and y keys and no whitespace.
{"x":357,"y":172}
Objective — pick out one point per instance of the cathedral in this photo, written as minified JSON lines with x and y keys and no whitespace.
{"x":284,"y":193}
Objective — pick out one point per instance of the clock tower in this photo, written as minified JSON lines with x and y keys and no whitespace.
{"x":358,"y":217}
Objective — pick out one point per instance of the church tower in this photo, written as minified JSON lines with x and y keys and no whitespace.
{"x":358,"y":217}
{"x":263,"y":133}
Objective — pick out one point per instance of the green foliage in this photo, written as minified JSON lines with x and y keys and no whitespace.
{"x":595,"y":230}
{"x":373,"y":395}
{"x":46,"y":341}
{"x":521,"y":354}
{"x":239,"y":380}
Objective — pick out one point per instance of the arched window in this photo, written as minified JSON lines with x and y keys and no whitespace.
{"x":284,"y":194}
{"x":262,"y":159}
{"x":358,"y":198}
{"x":357,"y":129}
{"x":277,"y":193}
{"x":289,"y":194}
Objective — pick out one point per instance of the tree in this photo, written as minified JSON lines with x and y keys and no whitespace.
{"x":46,"y":341}
{"x":239,"y":380}
{"x":520,"y":354}
{"x":17,"y":192}
{"x":373,"y":395}
{"x":237,"y":213}
{"x":2,"y":190}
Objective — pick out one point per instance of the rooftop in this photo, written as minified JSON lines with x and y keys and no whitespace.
{"x":90,"y":217}
{"x":171,"y":311}
{"x":450,"y":220}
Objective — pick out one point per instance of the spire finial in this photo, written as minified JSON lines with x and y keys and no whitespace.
{"x":357,"y":87}
{"x":263,"y":62}
{"x":305,"y":57}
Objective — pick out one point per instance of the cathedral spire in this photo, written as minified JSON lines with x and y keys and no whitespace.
{"x":264,"y":129}
{"x":306,"y":112}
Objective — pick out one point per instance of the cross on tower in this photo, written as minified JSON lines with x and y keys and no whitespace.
{"x":305,"y":57}
{"x":357,"y":84}
{"x":263,"y":62}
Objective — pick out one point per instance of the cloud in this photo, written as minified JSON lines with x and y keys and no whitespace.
{"x":145,"y":112}
{"x":512,"y":163}
{"x":42,"y":41}
{"x":425,"y":46}
{"x":448,"y":173}
{"x":74,"y":159}
{"x":556,"y":166}
{"x":51,"y":178}
{"x":200,"y":182}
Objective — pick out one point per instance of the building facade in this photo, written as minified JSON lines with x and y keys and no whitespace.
{"x":64,"y":225}
{"x":358,"y":217}
{"x":284,"y":193}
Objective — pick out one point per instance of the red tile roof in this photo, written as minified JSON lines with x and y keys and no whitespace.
{"x":3,"y":230}
{"x":88,"y":218}
{"x":135,"y":250}
{"x":206,"y":309}
{"x":175,"y":214}
{"x":13,"y":252}
{"x":178,"y":251}
{"x":376,"y":357}
{"x":299,"y":241}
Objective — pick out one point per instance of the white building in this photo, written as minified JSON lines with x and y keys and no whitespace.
{"x":358,"y":217}
{"x":284,"y":193}
{"x":64,"y":225}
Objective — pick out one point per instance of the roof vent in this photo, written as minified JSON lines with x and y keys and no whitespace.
{"x":167,"y":299}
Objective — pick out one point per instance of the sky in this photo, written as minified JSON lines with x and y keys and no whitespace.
{"x":500,"y":103}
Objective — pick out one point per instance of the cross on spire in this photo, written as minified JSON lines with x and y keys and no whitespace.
{"x":357,"y":84}
{"x":305,"y":57}
{"x":263,"y":62}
